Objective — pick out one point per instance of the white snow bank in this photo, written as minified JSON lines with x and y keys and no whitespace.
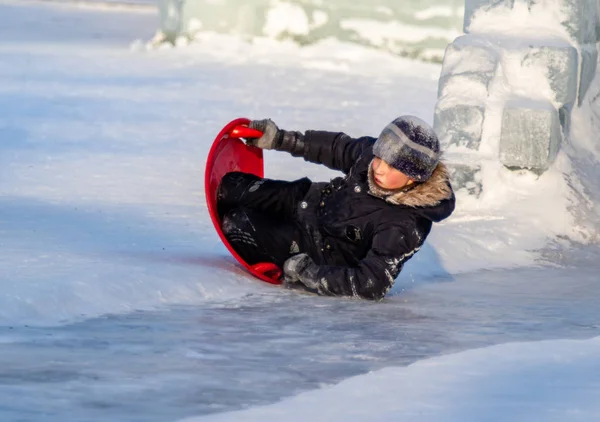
{"x":549,"y":381}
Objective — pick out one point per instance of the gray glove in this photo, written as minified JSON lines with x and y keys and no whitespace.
{"x":301,"y":268}
{"x":271,"y":137}
{"x":275,"y":138}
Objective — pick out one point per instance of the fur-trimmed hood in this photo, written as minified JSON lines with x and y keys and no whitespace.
{"x":429,"y":194}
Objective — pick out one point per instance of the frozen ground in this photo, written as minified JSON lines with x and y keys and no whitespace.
{"x":119,"y":303}
{"x":228,"y":355}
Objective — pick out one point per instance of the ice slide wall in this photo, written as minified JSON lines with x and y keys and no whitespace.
{"x":515,"y":77}
{"x":413,"y":28}
{"x":518,"y":92}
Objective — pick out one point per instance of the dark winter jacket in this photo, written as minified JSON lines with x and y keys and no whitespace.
{"x":363,"y":234}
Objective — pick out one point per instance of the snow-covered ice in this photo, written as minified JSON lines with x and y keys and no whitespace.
{"x":532,"y":381}
{"x":119,"y":303}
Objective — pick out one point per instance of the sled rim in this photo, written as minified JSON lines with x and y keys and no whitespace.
{"x":236,"y":129}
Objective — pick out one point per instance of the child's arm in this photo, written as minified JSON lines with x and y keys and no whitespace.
{"x":335,"y":150}
{"x":371,"y":279}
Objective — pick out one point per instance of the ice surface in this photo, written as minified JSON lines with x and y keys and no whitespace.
{"x":551,"y":381}
{"x":459,"y":124}
{"x":531,"y":135}
{"x":598,"y":21}
{"x":468,"y":69}
{"x":464,"y":176}
{"x":579,"y":17}
{"x":561,"y":65}
{"x":589,"y":63}
{"x":474,"y":84}
{"x":467,"y":54}
{"x":232,"y":355}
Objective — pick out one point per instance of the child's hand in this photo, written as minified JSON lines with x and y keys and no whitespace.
{"x":301,"y":268}
{"x":270,"y":134}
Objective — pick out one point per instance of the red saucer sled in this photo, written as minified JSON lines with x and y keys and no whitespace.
{"x":229,"y":153}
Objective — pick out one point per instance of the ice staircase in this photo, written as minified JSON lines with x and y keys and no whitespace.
{"x":509,"y":84}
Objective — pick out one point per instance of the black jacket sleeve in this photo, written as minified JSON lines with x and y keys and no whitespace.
{"x":376,"y":273}
{"x":335,"y":150}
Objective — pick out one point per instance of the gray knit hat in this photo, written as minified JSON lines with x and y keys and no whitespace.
{"x":409,"y":145}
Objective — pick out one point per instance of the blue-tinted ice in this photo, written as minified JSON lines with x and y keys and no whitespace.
{"x":160,"y":366}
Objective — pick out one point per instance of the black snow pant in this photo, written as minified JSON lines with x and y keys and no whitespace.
{"x":258,"y":217}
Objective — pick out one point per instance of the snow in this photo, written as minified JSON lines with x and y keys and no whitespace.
{"x":285,"y":17}
{"x":544,"y":381}
{"x":378,"y":33}
{"x":436,"y":11}
{"x":119,"y":303}
{"x":521,"y":22}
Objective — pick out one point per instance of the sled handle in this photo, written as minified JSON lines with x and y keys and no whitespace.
{"x":245,"y":132}
{"x":268,"y":269}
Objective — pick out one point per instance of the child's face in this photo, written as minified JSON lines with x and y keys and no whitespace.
{"x":388,"y":177}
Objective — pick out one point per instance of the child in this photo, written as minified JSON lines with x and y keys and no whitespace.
{"x":351,"y":236}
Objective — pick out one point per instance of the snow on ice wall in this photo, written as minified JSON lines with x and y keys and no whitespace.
{"x":415,"y":28}
{"x":514,"y":79}
{"x":518,"y":113}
